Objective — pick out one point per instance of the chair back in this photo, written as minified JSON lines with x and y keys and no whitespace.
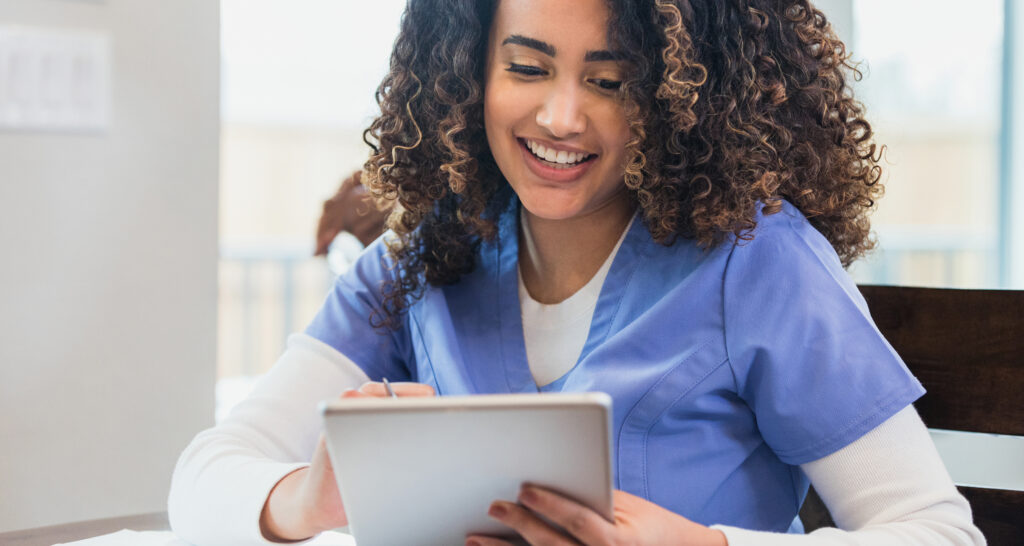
{"x":967,"y":349}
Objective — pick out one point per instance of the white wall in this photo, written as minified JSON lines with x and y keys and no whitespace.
{"x":108,"y":257}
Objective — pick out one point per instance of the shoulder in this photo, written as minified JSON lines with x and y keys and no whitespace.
{"x":788,"y":225}
{"x":356,"y":293}
{"x":789,"y":265}
{"x":784,"y":241}
{"x":373,"y":265}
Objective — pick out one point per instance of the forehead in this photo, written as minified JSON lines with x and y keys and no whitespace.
{"x":568,"y":25}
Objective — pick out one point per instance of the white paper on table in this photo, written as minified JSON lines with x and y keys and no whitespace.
{"x":127,"y":537}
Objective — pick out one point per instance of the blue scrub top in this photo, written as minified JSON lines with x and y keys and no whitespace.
{"x":727,"y":368}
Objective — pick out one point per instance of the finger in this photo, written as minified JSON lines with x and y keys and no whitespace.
{"x":322,"y":244}
{"x":528,"y":525}
{"x":581,"y":522}
{"x":408,"y":388}
{"x":324,"y":237}
{"x":481,"y":540}
{"x":353,"y":393}
{"x":374,"y":388}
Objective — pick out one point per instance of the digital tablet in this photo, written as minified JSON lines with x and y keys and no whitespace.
{"x":425,"y":470}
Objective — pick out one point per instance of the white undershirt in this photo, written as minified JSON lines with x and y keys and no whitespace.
{"x":555,"y":333}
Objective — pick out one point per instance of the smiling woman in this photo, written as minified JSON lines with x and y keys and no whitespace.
{"x":652,"y":199}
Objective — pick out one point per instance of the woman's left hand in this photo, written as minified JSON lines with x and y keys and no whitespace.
{"x":637,"y":521}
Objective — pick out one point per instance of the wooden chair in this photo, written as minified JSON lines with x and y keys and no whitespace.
{"x":967,"y":349}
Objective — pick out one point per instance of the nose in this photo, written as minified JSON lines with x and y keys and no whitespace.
{"x":562,"y":112}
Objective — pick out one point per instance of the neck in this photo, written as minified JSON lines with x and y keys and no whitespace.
{"x":561,"y":256}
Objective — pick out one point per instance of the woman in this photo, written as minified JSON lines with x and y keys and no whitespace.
{"x":651,"y":199}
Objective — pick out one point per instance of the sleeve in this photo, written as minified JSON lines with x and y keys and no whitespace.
{"x":881,"y":495}
{"x":805,"y":354}
{"x":223,"y":477}
{"x":343,"y":321}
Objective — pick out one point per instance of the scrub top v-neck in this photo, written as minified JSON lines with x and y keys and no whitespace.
{"x":727,"y":367}
{"x":555,"y":333}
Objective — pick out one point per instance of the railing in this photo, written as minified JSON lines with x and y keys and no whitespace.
{"x":266,"y":292}
{"x":935,"y":256}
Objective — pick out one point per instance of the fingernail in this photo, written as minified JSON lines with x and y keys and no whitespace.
{"x":497,"y":510}
{"x":528,"y":495}
{"x":473,"y":542}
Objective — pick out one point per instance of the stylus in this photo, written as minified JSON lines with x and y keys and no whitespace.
{"x":387,"y":387}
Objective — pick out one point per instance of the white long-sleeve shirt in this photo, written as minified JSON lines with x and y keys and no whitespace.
{"x":889,"y":487}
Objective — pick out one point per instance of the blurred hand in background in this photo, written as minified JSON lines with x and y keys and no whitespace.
{"x":352,"y":209}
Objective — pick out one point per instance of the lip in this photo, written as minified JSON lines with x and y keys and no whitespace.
{"x":543,"y":170}
{"x":557,"y":147}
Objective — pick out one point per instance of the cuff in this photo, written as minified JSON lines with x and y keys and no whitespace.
{"x":734,"y":536}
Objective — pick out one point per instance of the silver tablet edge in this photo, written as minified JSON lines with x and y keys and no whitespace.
{"x":475,"y":401}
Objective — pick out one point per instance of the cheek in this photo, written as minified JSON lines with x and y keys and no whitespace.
{"x":498,"y":110}
{"x":497,"y":128}
{"x":617,"y":134}
{"x":492,"y":114}
{"x":491,"y":128}
{"x":505,"y":109}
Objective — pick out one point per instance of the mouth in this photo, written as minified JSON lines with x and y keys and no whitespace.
{"x":555,"y":159}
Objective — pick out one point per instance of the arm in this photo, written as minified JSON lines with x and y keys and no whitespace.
{"x":887,"y":487}
{"x":896,"y":497}
{"x":224,"y":477}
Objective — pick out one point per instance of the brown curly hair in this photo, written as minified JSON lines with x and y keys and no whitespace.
{"x":730,"y":103}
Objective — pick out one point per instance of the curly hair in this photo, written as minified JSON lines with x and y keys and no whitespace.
{"x":731,"y":104}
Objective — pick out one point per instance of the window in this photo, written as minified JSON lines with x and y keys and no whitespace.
{"x":933,"y":91}
{"x":297,"y":91}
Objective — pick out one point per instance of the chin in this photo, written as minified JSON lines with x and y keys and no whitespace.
{"x":550,"y":211}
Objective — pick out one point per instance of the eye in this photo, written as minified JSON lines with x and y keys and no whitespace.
{"x":526,"y":70}
{"x":607,"y":85}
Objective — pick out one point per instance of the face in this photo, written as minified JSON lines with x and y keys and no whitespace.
{"x":554,"y":123}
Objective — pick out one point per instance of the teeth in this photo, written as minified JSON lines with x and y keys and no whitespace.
{"x":561,"y":157}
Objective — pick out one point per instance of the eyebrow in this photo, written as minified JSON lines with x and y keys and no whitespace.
{"x":531,"y":43}
{"x":549,"y":50}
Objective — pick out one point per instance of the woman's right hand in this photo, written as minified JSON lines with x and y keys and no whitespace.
{"x":307,"y":502}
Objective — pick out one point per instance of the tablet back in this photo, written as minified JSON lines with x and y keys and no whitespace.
{"x":425,"y":470}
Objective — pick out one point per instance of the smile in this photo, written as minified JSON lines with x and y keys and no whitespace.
{"x":558,"y":166}
{"x":556,"y":158}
